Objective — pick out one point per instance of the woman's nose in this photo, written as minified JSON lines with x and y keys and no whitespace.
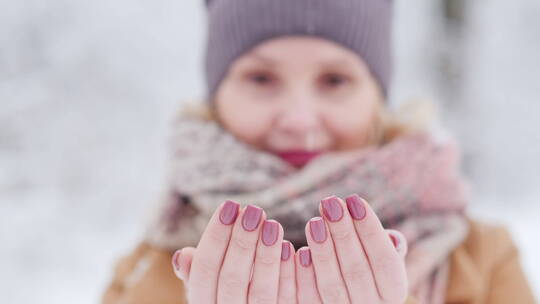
{"x":299,"y":118}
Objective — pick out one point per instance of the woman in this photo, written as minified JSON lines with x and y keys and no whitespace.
{"x":345,"y":201}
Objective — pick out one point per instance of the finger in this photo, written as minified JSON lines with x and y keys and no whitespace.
{"x":306,"y":285}
{"x":387,"y":265}
{"x":236,"y":270}
{"x":330,"y":282}
{"x":210,"y":253}
{"x":354,"y":265}
{"x":399,"y":241}
{"x":287,"y":275}
{"x":181,"y":261}
{"x":265,"y":280}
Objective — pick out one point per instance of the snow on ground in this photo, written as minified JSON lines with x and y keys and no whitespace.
{"x":87,"y":88}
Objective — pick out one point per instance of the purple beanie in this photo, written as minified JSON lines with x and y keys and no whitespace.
{"x":236,"y":26}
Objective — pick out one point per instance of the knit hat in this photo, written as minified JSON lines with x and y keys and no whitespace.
{"x":236,"y":26}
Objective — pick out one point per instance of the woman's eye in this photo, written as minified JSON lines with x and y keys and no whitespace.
{"x":334,"y":80}
{"x":261,"y":79}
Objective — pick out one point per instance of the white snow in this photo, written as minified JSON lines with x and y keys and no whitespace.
{"x":87,"y":89}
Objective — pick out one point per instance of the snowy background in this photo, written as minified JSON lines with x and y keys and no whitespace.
{"x":87,"y":89}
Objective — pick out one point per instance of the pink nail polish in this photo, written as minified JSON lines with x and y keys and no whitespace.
{"x":285,"y":250}
{"x":251,"y":218}
{"x":229,"y":212}
{"x":332,"y":208}
{"x":356,"y":206}
{"x":174,"y":259}
{"x":304,"y":255}
{"x":270,"y":232}
{"x":394,"y":239}
{"x":318,"y":229}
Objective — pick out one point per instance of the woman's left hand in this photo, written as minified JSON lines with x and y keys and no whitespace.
{"x":351,"y":258}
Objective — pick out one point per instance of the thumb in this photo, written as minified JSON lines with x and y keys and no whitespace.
{"x":181,"y":262}
{"x":399,"y":241}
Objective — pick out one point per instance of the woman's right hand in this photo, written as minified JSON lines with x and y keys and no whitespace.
{"x":238,"y":261}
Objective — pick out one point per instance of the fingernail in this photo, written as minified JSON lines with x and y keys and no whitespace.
{"x":251,"y":218}
{"x":318,"y":229}
{"x":270,"y":232}
{"x":356,"y":206}
{"x":229,"y":212}
{"x":285,"y":250}
{"x":332,"y":208}
{"x":175,"y":261}
{"x":304,"y":256}
{"x":394,"y":239}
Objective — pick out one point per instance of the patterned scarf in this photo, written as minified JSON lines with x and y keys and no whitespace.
{"x":413,"y":183}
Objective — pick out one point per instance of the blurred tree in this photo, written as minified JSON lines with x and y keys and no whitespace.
{"x":451,"y":54}
{"x":454,"y":10}
{"x":452,"y":70}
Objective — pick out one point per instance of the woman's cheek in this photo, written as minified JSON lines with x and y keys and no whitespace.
{"x":350,"y":131}
{"x":251,"y":124}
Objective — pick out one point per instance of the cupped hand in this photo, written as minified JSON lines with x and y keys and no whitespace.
{"x":351,"y":258}
{"x":241,"y":258}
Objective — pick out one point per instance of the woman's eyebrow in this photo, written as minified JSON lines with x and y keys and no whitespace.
{"x":346,"y":65}
{"x":336,"y":63}
{"x":325,"y":63}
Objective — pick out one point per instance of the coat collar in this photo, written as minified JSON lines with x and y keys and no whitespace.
{"x":465,"y":281}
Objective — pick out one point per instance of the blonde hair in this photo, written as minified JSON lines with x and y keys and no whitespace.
{"x":412,"y":116}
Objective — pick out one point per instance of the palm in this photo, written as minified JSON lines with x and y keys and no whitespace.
{"x":350,"y":258}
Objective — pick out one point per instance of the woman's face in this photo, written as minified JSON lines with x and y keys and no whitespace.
{"x":299,"y":94}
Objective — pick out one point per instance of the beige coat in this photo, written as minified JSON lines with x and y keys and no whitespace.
{"x":485,"y":268}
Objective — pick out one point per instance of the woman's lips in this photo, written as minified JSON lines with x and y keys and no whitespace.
{"x":298,"y":158}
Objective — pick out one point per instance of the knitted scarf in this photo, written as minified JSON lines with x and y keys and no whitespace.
{"x":413,"y":183}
